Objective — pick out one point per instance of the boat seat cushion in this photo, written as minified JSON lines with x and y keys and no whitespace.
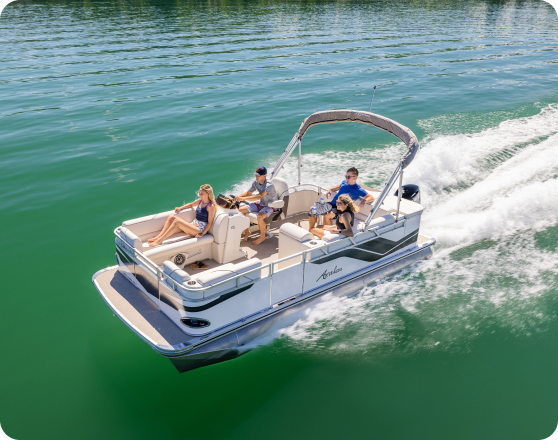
{"x":173,"y":271}
{"x":169,"y":250}
{"x":220,"y":226}
{"x":295,"y":232}
{"x":149,"y":226}
{"x":385,"y":220}
{"x":277,"y":204}
{"x":330,"y":238}
{"x":215,"y":276}
{"x":227,"y":271}
{"x":154,"y":223}
{"x":292,"y":239}
{"x":247,"y":266}
{"x":281,"y":186}
{"x":130,"y":238}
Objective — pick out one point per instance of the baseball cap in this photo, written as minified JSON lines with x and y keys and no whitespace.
{"x":262,"y":171}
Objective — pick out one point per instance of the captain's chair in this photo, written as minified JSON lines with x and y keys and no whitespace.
{"x":279,"y":205}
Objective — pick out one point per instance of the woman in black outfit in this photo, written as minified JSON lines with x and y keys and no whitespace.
{"x":344,"y":223}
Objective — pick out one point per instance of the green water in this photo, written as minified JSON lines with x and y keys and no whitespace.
{"x":114,"y":110}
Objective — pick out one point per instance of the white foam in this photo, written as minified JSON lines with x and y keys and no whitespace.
{"x":491,"y":191}
{"x":457,"y":161}
{"x":512,"y":196}
{"x":435,"y":305}
{"x":328,"y":168}
{"x":531,"y":207}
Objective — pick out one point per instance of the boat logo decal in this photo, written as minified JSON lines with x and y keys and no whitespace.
{"x":330,"y":273}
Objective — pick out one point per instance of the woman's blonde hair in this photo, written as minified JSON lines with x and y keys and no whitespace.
{"x":207,"y":188}
{"x":348,"y":201}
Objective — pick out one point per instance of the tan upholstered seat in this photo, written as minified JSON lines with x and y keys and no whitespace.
{"x":230,"y":270}
{"x":166,"y":251}
{"x":210,"y":279}
{"x":279,"y":205}
{"x":291,"y":241}
{"x":222,"y":242}
{"x":173,"y":271}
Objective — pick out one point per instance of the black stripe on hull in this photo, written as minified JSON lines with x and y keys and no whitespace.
{"x":153,"y":289}
{"x":124,"y":256}
{"x":384,"y":247}
{"x":176,"y":305}
{"x":222,"y":298}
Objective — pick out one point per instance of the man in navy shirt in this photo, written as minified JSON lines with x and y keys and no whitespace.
{"x":348,"y":186}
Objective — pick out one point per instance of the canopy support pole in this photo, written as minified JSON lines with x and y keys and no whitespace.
{"x":290,"y":148}
{"x":399,"y":196}
{"x":299,"y":160}
{"x":378,"y":202}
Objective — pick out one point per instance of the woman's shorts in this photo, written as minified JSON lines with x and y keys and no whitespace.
{"x":200,"y":225}
{"x":334,"y":210}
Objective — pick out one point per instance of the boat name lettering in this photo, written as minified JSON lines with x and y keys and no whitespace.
{"x":328,"y":274}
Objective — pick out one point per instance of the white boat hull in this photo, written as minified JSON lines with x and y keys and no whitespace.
{"x":230,"y":342}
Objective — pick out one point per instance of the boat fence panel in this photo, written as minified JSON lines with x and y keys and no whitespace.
{"x":335,"y":265}
{"x":288,"y":276}
{"x":302,"y":200}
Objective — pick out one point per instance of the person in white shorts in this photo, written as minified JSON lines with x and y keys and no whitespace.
{"x":266,"y":195}
{"x":205,"y":214}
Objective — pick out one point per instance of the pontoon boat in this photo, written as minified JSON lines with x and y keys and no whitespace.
{"x":198,"y":318}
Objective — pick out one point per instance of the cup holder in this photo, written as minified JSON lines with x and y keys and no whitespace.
{"x":313,"y":243}
{"x":191,"y":283}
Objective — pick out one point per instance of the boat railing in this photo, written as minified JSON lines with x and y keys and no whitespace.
{"x":269,"y":270}
{"x":302,"y":187}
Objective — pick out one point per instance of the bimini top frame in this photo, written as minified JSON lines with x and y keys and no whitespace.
{"x":334,"y":116}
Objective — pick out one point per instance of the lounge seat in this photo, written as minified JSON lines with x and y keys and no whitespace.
{"x":193,"y":245}
{"x":292,"y":240}
{"x":221,"y":243}
{"x":385,"y":220}
{"x":340,"y":241}
{"x":213,"y":277}
{"x":230,"y":270}
{"x":336,"y":241}
{"x":175,"y":273}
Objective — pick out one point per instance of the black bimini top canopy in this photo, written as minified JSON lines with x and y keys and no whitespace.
{"x":381,"y":122}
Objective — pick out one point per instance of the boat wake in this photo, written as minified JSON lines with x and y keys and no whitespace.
{"x":490,"y":200}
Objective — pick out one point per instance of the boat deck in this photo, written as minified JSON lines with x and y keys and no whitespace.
{"x":268,"y":251}
{"x":131,"y":303}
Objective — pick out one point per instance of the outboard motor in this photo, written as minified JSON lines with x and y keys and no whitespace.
{"x":410,"y":192}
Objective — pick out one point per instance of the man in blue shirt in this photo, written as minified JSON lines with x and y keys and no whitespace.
{"x":348,"y":186}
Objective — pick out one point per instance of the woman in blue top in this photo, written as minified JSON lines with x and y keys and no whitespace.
{"x":350,"y":187}
{"x":205,"y":213}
